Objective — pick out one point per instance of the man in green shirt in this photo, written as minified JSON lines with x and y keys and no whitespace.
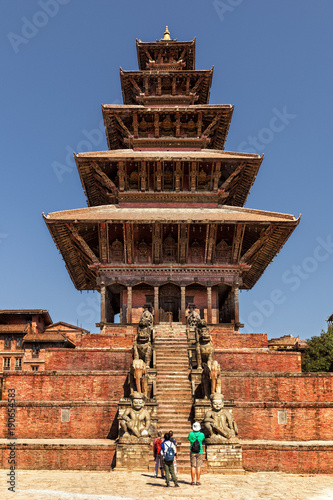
{"x":196,"y":456}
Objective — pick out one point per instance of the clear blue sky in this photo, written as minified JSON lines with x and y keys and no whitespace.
{"x":60,"y":62}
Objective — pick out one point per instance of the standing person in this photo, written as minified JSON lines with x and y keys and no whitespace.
{"x":157,"y":454}
{"x":168,"y":451}
{"x":196,"y":438}
{"x":172,"y":439}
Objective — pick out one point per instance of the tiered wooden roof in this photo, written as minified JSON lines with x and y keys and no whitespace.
{"x":166,"y":54}
{"x":99,"y":173}
{"x":166,"y":173}
{"x":166,"y":87}
{"x":169,"y":127}
{"x":75,"y":233}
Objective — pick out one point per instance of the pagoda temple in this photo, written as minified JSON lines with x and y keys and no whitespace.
{"x":166,"y":223}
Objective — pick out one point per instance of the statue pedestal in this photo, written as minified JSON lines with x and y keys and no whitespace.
{"x":224,"y":458}
{"x":133,"y":453}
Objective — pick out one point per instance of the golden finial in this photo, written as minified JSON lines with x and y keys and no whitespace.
{"x":167,"y":34}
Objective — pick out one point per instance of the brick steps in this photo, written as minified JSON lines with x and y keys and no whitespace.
{"x":173,"y":388}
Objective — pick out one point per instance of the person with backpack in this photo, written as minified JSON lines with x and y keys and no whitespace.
{"x":196,"y":438}
{"x":168,"y":452}
{"x":172,"y":439}
{"x":157,"y":454}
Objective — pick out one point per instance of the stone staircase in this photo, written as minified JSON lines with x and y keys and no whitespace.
{"x":173,"y":387}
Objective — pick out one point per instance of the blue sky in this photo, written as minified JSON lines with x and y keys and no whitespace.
{"x":60,"y":62}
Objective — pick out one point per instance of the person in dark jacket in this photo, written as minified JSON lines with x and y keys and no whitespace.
{"x":168,"y":464}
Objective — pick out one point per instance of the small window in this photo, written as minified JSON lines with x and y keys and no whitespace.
{"x":34,"y":368}
{"x":6,"y":363}
{"x":19,"y":342}
{"x":65,"y":414}
{"x":18,"y":363}
{"x":8,"y":342}
{"x":35,"y":351}
{"x":282,"y":417}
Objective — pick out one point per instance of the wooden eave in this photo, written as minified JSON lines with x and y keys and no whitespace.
{"x":238,"y":188}
{"x":276,"y":229}
{"x":203,"y":92}
{"x":215,"y":125}
{"x":143,"y":47}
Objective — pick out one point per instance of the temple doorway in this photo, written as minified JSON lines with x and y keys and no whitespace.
{"x":169,"y":302}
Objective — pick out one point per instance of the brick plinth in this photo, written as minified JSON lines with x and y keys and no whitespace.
{"x":296,"y":458}
{"x":258,"y":361}
{"x":52,"y":455}
{"x":88,"y":359}
{"x":224,"y":458}
{"x":133,"y":456}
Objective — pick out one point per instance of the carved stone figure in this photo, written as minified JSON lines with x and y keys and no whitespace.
{"x":219,"y":424}
{"x":211,"y":375}
{"x":211,"y":378}
{"x":193,"y":318}
{"x":135,"y":421}
{"x":138,"y":377}
{"x":204,"y":347}
{"x":142,"y":345}
{"x":147,"y":318}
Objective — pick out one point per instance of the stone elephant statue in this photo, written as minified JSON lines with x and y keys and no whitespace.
{"x":138,"y":377}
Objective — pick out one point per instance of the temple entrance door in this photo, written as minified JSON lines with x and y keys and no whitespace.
{"x":169,"y":302}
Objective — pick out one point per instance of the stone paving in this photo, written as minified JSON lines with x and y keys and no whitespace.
{"x":119,"y":485}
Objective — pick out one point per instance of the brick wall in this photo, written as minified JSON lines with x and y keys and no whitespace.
{"x":284,"y":387}
{"x":86,"y":359}
{"x":266,"y":361}
{"x":60,"y":456}
{"x":294,"y":459}
{"x":112,"y":336}
{"x":67,"y":386}
{"x":224,"y":339}
{"x":284,"y":421}
{"x":44,"y":420}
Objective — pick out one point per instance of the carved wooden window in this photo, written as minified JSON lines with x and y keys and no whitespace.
{"x":35,"y":351}
{"x":117,"y":251}
{"x":223,"y":252}
{"x":169,"y":249}
{"x":8,"y":342}
{"x":168,"y":179}
{"x":202,"y":180}
{"x":134,"y":180}
{"x":6,"y":363}
{"x":196,"y":252}
{"x":143,"y":251}
{"x":19,"y":342}
{"x":34,"y":368}
{"x":18,"y":363}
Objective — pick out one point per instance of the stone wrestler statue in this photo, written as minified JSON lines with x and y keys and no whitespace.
{"x":218,"y":422}
{"x":135,"y":421}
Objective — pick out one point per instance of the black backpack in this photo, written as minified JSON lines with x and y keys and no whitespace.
{"x":195,"y":448}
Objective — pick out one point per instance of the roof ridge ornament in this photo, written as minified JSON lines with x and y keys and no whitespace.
{"x":166,"y":34}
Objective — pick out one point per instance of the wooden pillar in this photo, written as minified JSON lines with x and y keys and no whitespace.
{"x":209,"y":304}
{"x":182,"y":304}
{"x":103,"y":303}
{"x":129,"y":304}
{"x":156,"y":304}
{"x":236,"y":302}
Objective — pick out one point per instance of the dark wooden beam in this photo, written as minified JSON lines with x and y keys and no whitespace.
{"x":84,"y":247}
